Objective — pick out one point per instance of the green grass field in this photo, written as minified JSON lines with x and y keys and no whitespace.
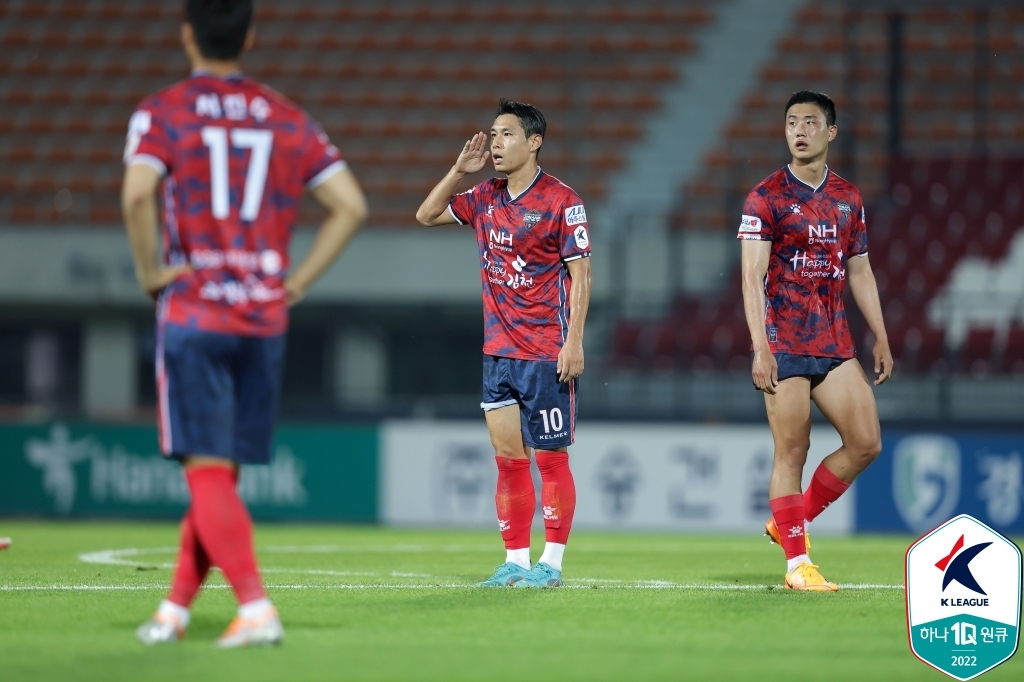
{"x":381,"y":604}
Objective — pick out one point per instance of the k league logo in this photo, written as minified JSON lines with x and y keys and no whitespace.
{"x":926,"y":479}
{"x":963,"y":583}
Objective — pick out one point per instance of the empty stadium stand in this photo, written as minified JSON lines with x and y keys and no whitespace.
{"x":399,"y":85}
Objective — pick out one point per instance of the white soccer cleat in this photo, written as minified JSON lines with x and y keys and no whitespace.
{"x":160,"y":630}
{"x":264,"y":631}
{"x":5,"y":543}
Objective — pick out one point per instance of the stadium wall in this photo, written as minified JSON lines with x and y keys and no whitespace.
{"x":675,"y":478}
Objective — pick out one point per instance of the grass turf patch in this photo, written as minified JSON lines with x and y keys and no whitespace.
{"x":383,"y":604}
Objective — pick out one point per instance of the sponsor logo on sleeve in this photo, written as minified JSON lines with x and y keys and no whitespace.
{"x":574,"y":215}
{"x":582,"y":239}
{"x":750,"y":224}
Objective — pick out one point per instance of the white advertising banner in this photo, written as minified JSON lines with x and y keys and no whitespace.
{"x":628,"y":476}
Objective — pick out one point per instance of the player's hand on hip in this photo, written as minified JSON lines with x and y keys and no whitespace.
{"x":474,"y":155}
{"x":570,"y":362}
{"x":157,"y":280}
{"x":883,"y":361}
{"x":765,"y":371}
{"x":294,"y":291}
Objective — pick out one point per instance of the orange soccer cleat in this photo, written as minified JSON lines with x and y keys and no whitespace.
{"x":806,"y":577}
{"x":263,"y":631}
{"x":772,"y":531}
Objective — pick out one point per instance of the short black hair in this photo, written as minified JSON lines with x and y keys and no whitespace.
{"x":823,"y":101}
{"x":529,"y":116}
{"x":220,"y":26}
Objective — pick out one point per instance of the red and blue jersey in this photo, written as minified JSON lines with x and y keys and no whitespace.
{"x":813,"y":230}
{"x":525,"y":243}
{"x":235,"y":157}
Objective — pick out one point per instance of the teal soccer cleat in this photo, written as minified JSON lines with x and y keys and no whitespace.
{"x":506,"y":575}
{"x":542,"y":576}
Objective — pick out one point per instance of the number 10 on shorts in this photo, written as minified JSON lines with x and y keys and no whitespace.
{"x":552,"y":419}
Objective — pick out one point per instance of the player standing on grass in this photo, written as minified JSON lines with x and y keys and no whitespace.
{"x":234,"y":158}
{"x":804,"y":236}
{"x":531,"y":230}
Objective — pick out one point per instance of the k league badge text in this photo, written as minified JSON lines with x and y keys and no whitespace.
{"x":963,"y":583}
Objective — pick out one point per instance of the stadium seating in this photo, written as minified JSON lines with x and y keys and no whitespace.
{"x":399,"y":86}
{"x":956,"y":189}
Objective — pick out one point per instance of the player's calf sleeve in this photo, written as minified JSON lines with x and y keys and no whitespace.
{"x":224,"y":528}
{"x":825,"y":488}
{"x":193,"y":565}
{"x":515,"y":500}
{"x":788,"y":512}
{"x":557,"y":495}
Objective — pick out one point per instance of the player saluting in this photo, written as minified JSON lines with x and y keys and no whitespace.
{"x":804,"y":235}
{"x":535,"y":269}
{"x":234,"y":158}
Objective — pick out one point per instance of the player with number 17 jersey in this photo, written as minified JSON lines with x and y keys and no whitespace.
{"x":236,"y":157}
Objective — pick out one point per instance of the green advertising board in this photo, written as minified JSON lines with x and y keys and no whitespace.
{"x":72,"y":470}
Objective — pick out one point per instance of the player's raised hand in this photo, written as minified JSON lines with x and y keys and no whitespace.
{"x":765,"y":371}
{"x":474,"y":155}
{"x":883,"y":361}
{"x":570,"y":362}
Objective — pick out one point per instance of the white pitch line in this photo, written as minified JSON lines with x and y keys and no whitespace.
{"x":651,"y":585}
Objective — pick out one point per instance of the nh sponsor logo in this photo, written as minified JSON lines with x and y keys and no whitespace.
{"x":500,"y":240}
{"x":822,"y":234}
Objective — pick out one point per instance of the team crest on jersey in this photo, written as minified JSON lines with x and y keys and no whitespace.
{"x":844,"y":207}
{"x":574,"y":215}
{"x":531,"y":218}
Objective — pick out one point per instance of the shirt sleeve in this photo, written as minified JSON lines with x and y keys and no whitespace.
{"x":147,"y":142}
{"x":858,"y":245}
{"x":757,"y":222}
{"x":573,"y":237}
{"x":463,"y":206}
{"x":319,"y":158}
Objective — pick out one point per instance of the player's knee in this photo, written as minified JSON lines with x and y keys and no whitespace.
{"x":866,"y":448}
{"x":794,"y":453}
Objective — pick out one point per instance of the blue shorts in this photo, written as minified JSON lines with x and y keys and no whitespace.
{"x":217,"y":393}
{"x":547,"y":407}
{"x":814,"y":368}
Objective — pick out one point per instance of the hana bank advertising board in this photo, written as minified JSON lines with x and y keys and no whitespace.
{"x":628,"y":476}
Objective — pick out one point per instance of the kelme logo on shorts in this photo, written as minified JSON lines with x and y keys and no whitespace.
{"x":963,"y":598}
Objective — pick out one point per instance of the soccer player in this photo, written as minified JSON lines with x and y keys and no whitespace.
{"x":804,"y":236}
{"x":233,"y":158}
{"x":531,"y":230}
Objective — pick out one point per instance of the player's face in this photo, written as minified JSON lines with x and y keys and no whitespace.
{"x":510,"y":149}
{"x":807,"y":132}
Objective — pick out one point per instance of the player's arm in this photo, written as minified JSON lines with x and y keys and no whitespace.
{"x":341,"y":195}
{"x":865,"y":293}
{"x":570,"y":358}
{"x":138,"y":205}
{"x":754,"y":266}
{"x":434,"y":209}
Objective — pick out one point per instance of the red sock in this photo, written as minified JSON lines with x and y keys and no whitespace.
{"x":193,"y":565}
{"x":825,"y":488}
{"x":788,"y":512}
{"x":557,"y":495}
{"x":516,"y":501}
{"x":224,"y":529}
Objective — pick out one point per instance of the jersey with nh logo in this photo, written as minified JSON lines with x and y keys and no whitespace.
{"x":814,"y":231}
{"x":235,"y":157}
{"x":524,"y":245}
